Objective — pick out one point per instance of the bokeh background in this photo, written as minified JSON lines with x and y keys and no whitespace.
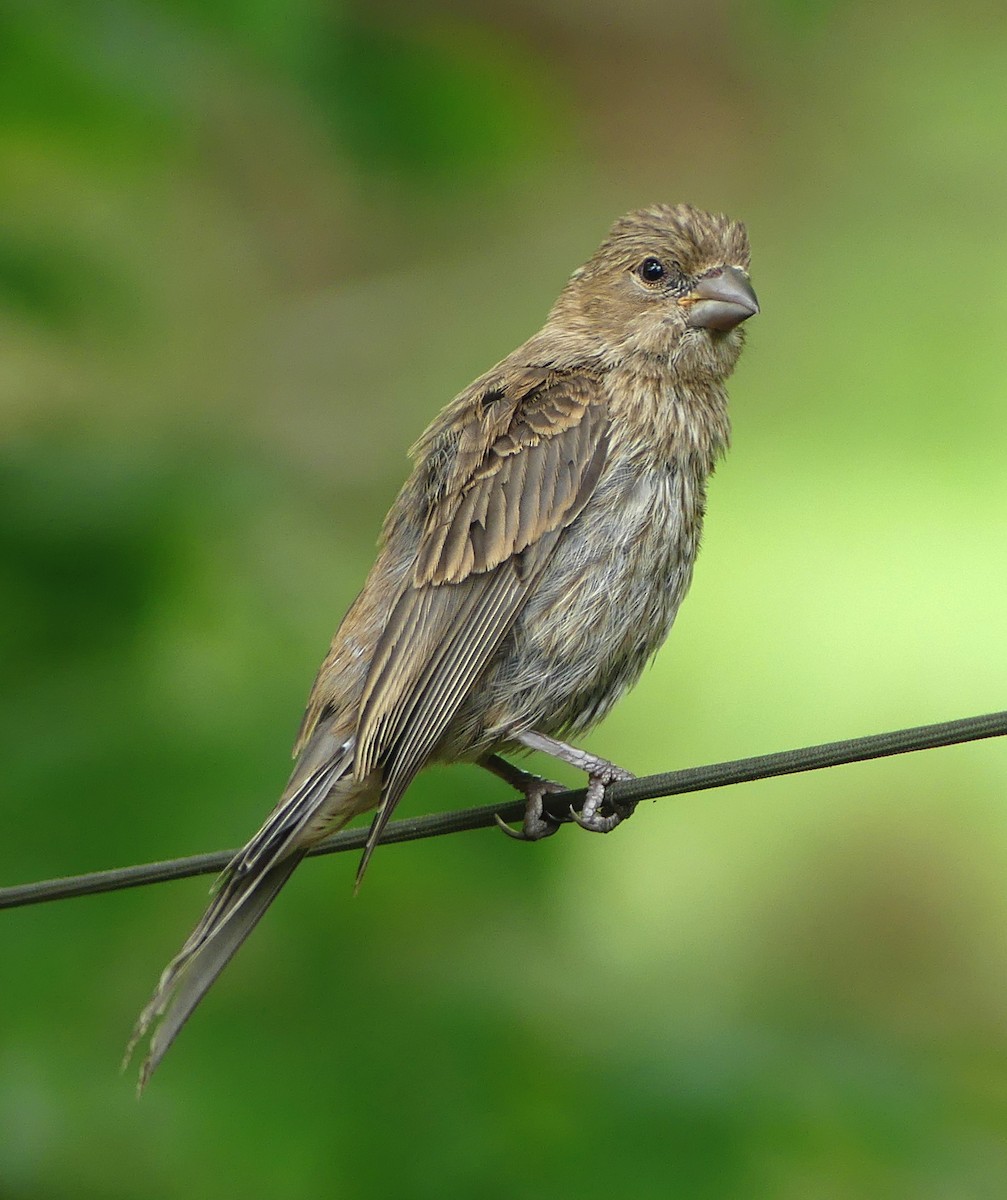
{"x":246,"y":251}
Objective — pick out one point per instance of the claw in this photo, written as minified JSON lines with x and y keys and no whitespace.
{"x":590,"y":816}
{"x":598,"y":823}
{"x":537,"y":824}
{"x":519,"y":836}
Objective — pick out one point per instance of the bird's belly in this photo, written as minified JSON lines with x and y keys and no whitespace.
{"x":601,"y":608}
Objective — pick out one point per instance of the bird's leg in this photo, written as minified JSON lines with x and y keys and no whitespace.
{"x":537,"y":824}
{"x":600,"y":773}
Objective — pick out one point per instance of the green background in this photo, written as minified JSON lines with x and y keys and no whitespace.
{"x":246,"y":251}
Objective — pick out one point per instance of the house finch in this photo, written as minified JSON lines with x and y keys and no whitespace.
{"x":533,"y":562}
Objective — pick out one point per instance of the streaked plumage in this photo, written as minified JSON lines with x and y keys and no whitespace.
{"x":533,"y":562}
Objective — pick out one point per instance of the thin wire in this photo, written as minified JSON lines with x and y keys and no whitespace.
{"x":558,"y":804}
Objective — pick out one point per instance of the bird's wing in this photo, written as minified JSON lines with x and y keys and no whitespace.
{"x":517,"y":473}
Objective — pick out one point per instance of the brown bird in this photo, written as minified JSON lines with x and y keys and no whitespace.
{"x":533,"y":562}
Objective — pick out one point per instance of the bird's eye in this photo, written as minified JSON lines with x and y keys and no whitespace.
{"x":651,"y":270}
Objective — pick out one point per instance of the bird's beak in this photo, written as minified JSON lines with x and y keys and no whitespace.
{"x":721,"y":300}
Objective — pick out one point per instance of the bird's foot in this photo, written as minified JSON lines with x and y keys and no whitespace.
{"x":590,"y":816}
{"x":600,"y":773}
{"x":537,"y":823}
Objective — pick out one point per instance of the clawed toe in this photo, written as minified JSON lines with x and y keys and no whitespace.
{"x":505,"y":828}
{"x":590,"y":816}
{"x":537,"y":823}
{"x":596,"y":823}
{"x":532,"y":829}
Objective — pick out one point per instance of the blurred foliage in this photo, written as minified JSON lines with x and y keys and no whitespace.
{"x":246,"y":250}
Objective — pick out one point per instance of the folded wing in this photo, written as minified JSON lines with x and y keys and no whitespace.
{"x":520,"y":472}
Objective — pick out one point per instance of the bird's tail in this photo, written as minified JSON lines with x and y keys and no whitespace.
{"x":246,"y":888}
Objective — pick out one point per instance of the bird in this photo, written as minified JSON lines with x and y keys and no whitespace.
{"x":532,"y":564}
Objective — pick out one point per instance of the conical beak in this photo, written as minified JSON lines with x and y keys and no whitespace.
{"x":721,"y":300}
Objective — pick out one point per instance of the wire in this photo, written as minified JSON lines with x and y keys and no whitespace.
{"x":650,"y":787}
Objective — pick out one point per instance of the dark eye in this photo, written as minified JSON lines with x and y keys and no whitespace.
{"x":651,"y":270}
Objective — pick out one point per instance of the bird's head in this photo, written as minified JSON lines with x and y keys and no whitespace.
{"x":668,"y":282}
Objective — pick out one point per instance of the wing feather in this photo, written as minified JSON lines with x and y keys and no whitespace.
{"x":495,"y":520}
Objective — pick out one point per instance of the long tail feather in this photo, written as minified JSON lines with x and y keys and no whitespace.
{"x":232,"y":916}
{"x":319,"y":799}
